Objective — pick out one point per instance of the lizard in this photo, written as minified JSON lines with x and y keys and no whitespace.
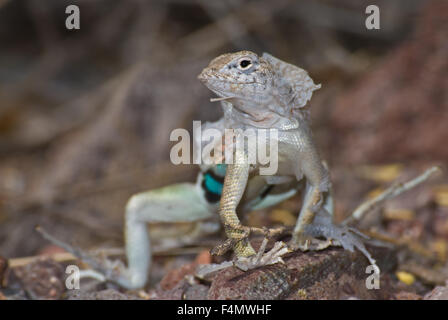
{"x":257,"y":92}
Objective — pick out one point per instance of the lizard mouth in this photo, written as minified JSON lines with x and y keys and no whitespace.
{"x":207,"y":78}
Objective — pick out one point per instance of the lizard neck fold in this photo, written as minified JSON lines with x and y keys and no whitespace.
{"x":238,"y":119}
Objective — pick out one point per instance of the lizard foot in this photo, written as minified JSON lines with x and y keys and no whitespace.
{"x":245,"y":231}
{"x":106,"y":270}
{"x":102,"y":269}
{"x":115,"y":271}
{"x":273,"y":256}
{"x":260,"y":259}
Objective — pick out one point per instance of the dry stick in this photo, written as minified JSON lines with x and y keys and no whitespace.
{"x":59,"y":257}
{"x":73,"y":253}
{"x":210,"y":38}
{"x":67,"y":51}
{"x":391,"y":192}
{"x":109,"y":252}
{"x":93,"y":134}
{"x":73,"y":250}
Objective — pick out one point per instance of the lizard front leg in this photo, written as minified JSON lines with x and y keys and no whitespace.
{"x":235,"y":183}
{"x":312,"y":202}
{"x":316,"y":197}
{"x":238,"y":235}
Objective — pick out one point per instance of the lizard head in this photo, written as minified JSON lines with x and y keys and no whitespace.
{"x":257,"y":85}
{"x":238,"y":76}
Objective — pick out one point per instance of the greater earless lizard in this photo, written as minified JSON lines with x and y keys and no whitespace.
{"x":256,"y":92}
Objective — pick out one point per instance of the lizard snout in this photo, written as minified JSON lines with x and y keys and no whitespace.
{"x":203,"y":76}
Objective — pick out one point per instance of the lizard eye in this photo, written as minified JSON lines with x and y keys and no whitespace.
{"x":244,"y":64}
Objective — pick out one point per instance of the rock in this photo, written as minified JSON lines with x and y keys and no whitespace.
{"x":438,"y":293}
{"x":183,"y":290}
{"x":172,"y":278}
{"x":329,"y":274}
{"x":271,"y":282}
{"x":42,"y":278}
{"x":108,"y":294}
{"x":406,"y":295}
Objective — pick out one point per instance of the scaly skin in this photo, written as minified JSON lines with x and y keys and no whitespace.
{"x":271,"y":94}
{"x":267,"y":93}
{"x":259,"y":93}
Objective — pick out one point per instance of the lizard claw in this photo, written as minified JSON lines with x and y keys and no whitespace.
{"x":300,"y":242}
{"x":105,"y":270}
{"x":261,"y":258}
{"x":268,"y":233}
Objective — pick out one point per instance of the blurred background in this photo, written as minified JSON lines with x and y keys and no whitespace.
{"x":85,"y":115}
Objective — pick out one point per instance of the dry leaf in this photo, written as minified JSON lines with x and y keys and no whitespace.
{"x":405,"y":277}
{"x":384,"y":173}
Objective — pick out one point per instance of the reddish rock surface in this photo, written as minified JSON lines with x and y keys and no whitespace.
{"x":439,"y":293}
{"x":42,"y":279}
{"x":329,"y":274}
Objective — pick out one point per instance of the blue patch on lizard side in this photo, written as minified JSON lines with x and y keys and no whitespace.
{"x":212,"y":185}
{"x":212,"y":182}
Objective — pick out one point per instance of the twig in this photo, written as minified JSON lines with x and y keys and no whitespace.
{"x":71,"y":249}
{"x":75,"y":253}
{"x":209,"y":38}
{"x":109,"y":252}
{"x":59,"y":257}
{"x":392,"y":192}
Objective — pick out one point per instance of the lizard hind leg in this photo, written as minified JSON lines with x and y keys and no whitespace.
{"x":182,"y":202}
